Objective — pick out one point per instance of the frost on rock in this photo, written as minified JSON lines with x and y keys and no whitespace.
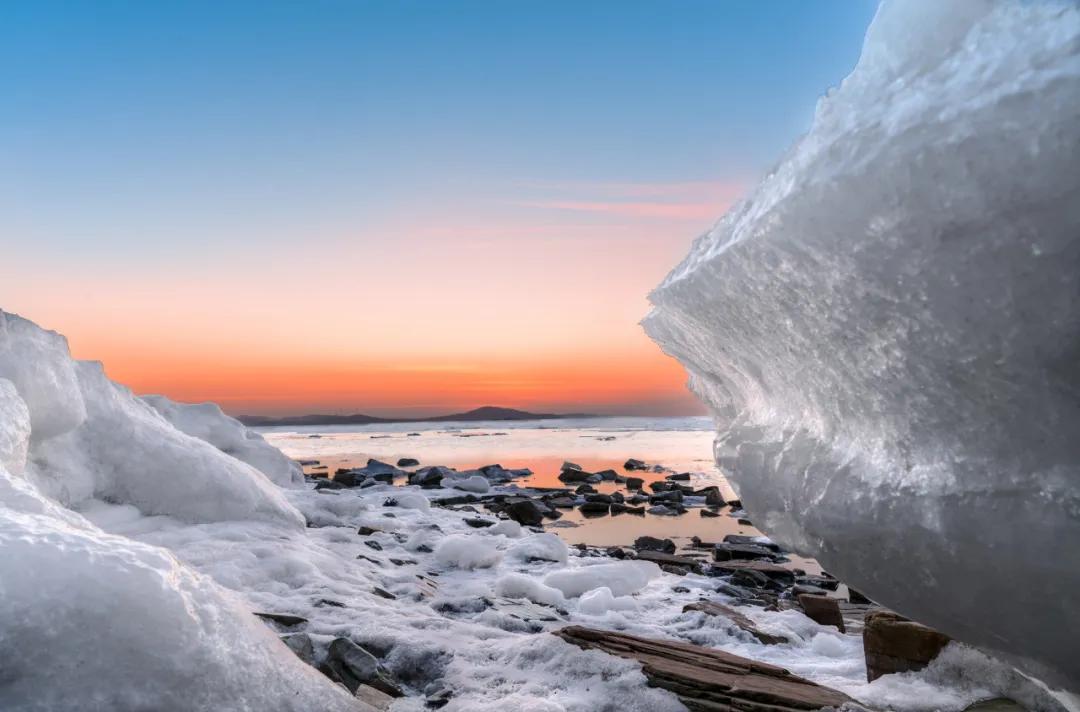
{"x":887,"y":328}
{"x":207,"y":422}
{"x":95,"y":621}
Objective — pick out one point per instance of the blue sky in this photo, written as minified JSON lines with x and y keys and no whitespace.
{"x":155,"y":138}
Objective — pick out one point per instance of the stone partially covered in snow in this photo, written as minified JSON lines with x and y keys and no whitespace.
{"x":206,"y":421}
{"x":887,"y":328}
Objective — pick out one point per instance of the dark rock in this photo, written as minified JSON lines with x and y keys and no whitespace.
{"x":735,"y":504}
{"x":616,"y":552}
{"x":828,"y":584}
{"x":367,"y":531}
{"x":329,"y":484}
{"x":439,"y":699}
{"x":585,"y":489}
{"x":454,"y":501}
{"x":823,"y":610}
{"x":892,"y":643}
{"x":595,"y":508}
{"x":733,"y":552}
{"x":713,"y":608}
{"x":634,"y":483}
{"x":666,"y":497}
{"x":651,"y":543}
{"x":633,"y":464}
{"x":608,"y":475}
{"x":562,"y":502}
{"x":383,"y":593}
{"x":605,"y":498}
{"x":706,"y":679}
{"x":478,"y":523}
{"x":284,"y":619}
{"x":578,"y":476}
{"x":856,"y":597}
{"x":567,"y":465}
{"x":525,"y":512}
{"x":624,"y":509}
{"x":745,"y":522}
{"x":322,"y":602}
{"x":661,"y":486}
{"x":408,"y":462}
{"x":355,"y":666}
{"x":430,"y":477}
{"x":637,"y":499}
{"x":373,"y":544}
{"x":664,"y":559}
{"x":402,"y":562}
{"x":300,"y":643}
{"x":679,"y":477}
{"x":751,"y":541}
{"x":709,"y":513}
{"x":772,"y":571}
{"x":617,"y":497}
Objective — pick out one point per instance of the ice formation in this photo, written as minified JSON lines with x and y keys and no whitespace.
{"x":206,"y":422}
{"x":887,"y":328}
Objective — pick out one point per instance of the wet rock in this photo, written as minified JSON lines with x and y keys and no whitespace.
{"x":439,"y":698}
{"x":567,"y":465}
{"x":745,"y":522}
{"x":430,"y":477}
{"x":367,"y":531}
{"x":740,"y":621}
{"x":478,"y":523}
{"x":893,"y":643}
{"x":408,"y":462}
{"x":685,"y":563}
{"x":709,"y":679}
{"x":616,"y":552}
{"x":329,"y":484}
{"x":625,"y":509}
{"x":383,"y":593}
{"x":355,"y":666}
{"x":585,"y":489}
{"x":752,"y":540}
{"x":375,"y":698}
{"x":822,"y":582}
{"x":526,"y":512}
{"x":666,"y":497}
{"x":661,"y":486}
{"x":562,"y":502}
{"x":595,"y":508}
{"x":748,"y":552}
{"x":633,"y":464}
{"x":373,"y":544}
{"x":667,"y":510}
{"x":608,"y":475}
{"x":858,"y":598}
{"x":455,"y":501}
{"x":605,"y":498}
{"x":735,"y":504}
{"x":286,"y":619}
{"x":679,"y":477}
{"x":634,"y":483}
{"x":999,"y":704}
{"x":300,"y":643}
{"x":823,"y":610}
{"x":709,"y":513}
{"x":773,"y":572}
{"x":651,"y":543}
{"x":578,"y":476}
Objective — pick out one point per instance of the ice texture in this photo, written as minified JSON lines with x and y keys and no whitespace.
{"x":888,"y":328}
{"x":94,"y":621}
{"x":207,"y":422}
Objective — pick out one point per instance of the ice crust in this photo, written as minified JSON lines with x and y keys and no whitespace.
{"x":887,"y":328}
{"x":207,"y":422}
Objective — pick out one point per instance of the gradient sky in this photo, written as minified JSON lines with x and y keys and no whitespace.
{"x":389,"y":207}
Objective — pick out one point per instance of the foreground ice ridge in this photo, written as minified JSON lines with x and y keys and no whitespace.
{"x":888,"y":328}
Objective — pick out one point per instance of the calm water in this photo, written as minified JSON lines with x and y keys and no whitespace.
{"x":682,"y":444}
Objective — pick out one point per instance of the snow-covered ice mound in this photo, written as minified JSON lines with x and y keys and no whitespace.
{"x":93,"y":621}
{"x":207,"y":422}
{"x":888,"y":328}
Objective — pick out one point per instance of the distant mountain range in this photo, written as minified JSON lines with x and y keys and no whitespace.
{"x":487,"y":412}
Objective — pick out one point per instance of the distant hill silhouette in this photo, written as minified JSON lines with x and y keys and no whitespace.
{"x":487,"y":412}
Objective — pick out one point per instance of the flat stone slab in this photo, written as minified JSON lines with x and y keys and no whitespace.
{"x":708,"y":680}
{"x":713,"y":608}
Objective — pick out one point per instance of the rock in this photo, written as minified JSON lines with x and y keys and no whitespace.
{"x":732,"y":552}
{"x":616,"y":552}
{"x":284,"y":619}
{"x":355,"y":666}
{"x":856,"y":597}
{"x":679,"y":477}
{"x":651,"y":543}
{"x":605,"y":498}
{"x":329,"y":484}
{"x":430,"y":477}
{"x":439,"y":698}
{"x":661,"y":486}
{"x":666,"y":497}
{"x":376,"y":698}
{"x":373,"y":544}
{"x":771,"y":571}
{"x":707,"y":680}
{"x":713,"y":498}
{"x":525,"y":512}
{"x":735,"y":504}
{"x":383,"y":593}
{"x":478,"y":523}
{"x":827,"y":583}
{"x":752,"y":541}
{"x":567,"y":465}
{"x":595,"y":508}
{"x":634,"y":483}
{"x":367,"y":531}
{"x":300,"y":643}
{"x":608,"y":475}
{"x":585,"y":489}
{"x":455,"y":501}
{"x":740,"y":621}
{"x":823,"y":610}
{"x":892,"y":643}
{"x":663,"y":559}
{"x":562,"y":502}
{"x":577,"y":476}
{"x":624,"y":509}
{"x":633,"y":464}
{"x":999,"y":704}
{"x":667,"y":510}
{"x":709,"y":513}
{"x":408,"y":462}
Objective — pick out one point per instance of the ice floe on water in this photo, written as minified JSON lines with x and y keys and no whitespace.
{"x":887,"y":331}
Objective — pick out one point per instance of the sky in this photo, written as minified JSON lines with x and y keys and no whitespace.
{"x":397,"y":208}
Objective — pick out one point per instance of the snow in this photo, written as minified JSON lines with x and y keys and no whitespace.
{"x":14,"y":428}
{"x":599,"y":601}
{"x":467,"y":553}
{"x":207,"y":422}
{"x":540,"y":547}
{"x":473,"y":483}
{"x":886,"y":328}
{"x":620,"y":578}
